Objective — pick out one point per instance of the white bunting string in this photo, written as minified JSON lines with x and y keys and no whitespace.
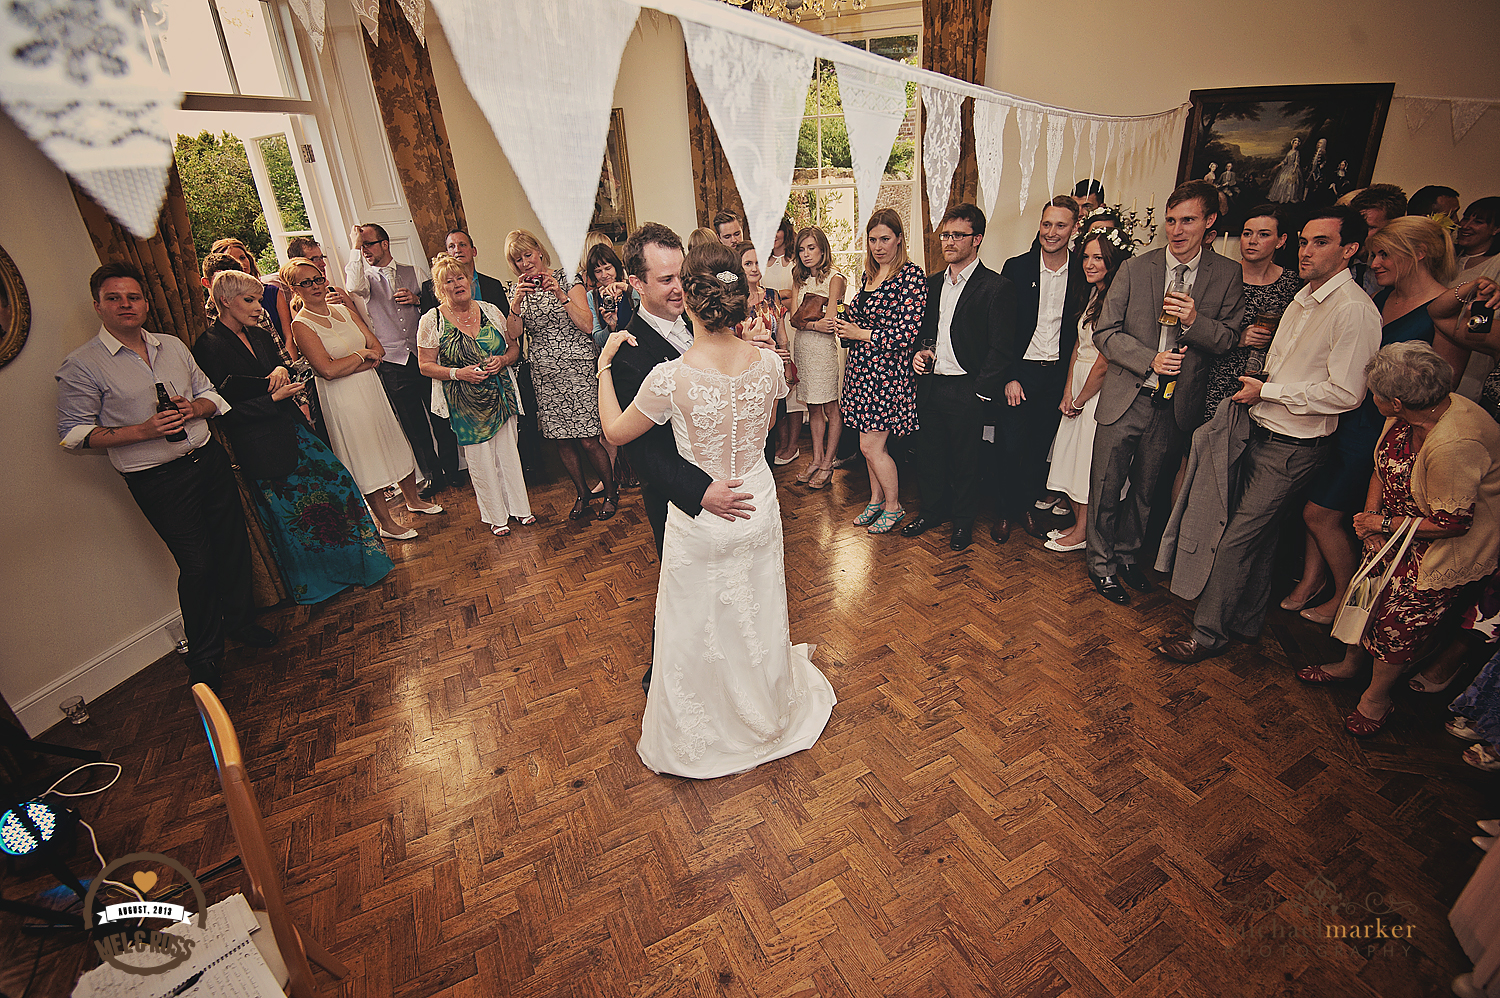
{"x":368,"y":12}
{"x":1055,"y":125}
{"x":1465,"y":113}
{"x":989,"y":149}
{"x":940,"y":145}
{"x":1029,"y":124}
{"x":874,"y":107}
{"x":313,"y":14}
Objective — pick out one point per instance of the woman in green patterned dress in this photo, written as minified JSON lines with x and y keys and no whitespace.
{"x":461,"y":344}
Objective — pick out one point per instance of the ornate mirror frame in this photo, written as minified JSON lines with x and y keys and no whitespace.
{"x":15,"y":310}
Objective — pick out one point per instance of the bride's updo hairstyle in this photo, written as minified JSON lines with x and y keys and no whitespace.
{"x":714,"y":286}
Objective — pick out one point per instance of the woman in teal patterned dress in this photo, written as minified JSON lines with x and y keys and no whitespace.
{"x":461,"y":344}
{"x":313,"y":513}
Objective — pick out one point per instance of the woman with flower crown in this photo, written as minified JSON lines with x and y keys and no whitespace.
{"x":729,"y":690}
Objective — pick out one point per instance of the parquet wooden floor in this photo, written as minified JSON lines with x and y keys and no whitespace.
{"x":1014,"y":797}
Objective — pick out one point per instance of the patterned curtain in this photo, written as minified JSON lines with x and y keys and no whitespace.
{"x":955,"y":38}
{"x":713,"y":184}
{"x":401,"y":70}
{"x":169,"y":262}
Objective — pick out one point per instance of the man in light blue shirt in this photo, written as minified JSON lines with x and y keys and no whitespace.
{"x":107,"y":400}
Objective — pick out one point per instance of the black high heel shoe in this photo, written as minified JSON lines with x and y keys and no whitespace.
{"x":581,"y":509}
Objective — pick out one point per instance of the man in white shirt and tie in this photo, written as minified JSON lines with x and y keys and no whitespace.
{"x":390,"y":293}
{"x":1314,"y":372}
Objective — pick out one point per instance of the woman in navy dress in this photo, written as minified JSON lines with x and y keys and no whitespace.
{"x":880,"y":390}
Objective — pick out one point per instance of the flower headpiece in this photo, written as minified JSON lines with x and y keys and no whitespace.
{"x":1115,"y":237}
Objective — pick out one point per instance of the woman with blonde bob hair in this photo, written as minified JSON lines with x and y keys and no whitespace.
{"x":462,"y":345}
{"x":273,"y":298}
{"x":559,"y":328}
{"x":312,"y":511}
{"x":1437,"y":463}
{"x":880,"y":389}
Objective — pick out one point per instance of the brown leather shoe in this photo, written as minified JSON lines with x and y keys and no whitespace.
{"x":1187,"y":650}
{"x":1036,"y":526}
{"x":1000,"y":531}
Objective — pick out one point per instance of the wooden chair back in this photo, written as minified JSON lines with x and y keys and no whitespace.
{"x":244,"y":817}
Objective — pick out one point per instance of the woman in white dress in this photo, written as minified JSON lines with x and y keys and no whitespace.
{"x":362,"y":429}
{"x":1103,"y":251}
{"x":816,"y":347}
{"x":729,"y":690}
{"x":1286,"y":183}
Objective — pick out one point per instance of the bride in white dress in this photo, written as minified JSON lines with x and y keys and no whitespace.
{"x":729,"y":690}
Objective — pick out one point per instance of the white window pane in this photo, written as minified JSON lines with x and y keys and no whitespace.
{"x":192,"y":48}
{"x":246,"y":33}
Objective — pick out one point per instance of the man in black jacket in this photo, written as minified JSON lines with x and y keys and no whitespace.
{"x":486,"y":288}
{"x":966,"y":330}
{"x":1050,"y":292}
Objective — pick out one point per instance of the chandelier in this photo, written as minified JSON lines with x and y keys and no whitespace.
{"x":795,"y":10}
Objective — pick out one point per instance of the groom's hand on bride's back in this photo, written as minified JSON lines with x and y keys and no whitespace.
{"x":721,"y":499}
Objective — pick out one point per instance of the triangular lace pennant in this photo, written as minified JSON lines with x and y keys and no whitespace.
{"x":874,"y":107}
{"x":93,"y":102}
{"x":755,"y":93}
{"x":551,"y":120}
{"x":1418,"y":110}
{"x":368,"y":12}
{"x":1111,"y":131}
{"x":1055,"y":125}
{"x":940,"y":145}
{"x":1465,"y":114}
{"x":416,"y":16}
{"x":1029,"y":124}
{"x":1094,"y":149}
{"x":989,"y":149}
{"x":313,"y":15}
{"x":1077,"y":136}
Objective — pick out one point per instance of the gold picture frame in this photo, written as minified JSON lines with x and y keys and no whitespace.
{"x":15,"y":310}
{"x":614,"y":202}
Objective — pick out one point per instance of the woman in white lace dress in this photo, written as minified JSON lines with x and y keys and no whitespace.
{"x":729,"y":690}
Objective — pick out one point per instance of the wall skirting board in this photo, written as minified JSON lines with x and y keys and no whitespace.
{"x":99,"y":675}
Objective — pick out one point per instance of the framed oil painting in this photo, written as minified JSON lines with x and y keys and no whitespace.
{"x":1299,"y":146}
{"x":614,"y":204}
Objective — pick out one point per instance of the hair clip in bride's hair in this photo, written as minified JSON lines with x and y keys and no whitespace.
{"x":727,"y":277}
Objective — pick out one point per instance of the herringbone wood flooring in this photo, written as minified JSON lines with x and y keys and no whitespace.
{"x":1014,"y":796}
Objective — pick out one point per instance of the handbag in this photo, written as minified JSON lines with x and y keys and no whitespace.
{"x":810,"y":310}
{"x":1353,"y":618}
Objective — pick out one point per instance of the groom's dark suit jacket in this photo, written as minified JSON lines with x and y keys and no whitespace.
{"x":666,"y":476}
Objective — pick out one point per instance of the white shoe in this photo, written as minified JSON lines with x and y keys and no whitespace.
{"x":1053,"y":535}
{"x":408,"y":535}
{"x":434,"y":508}
{"x":787,"y":460}
{"x":1052,"y":545}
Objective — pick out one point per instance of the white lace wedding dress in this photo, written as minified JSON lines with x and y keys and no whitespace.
{"x":729,"y":690}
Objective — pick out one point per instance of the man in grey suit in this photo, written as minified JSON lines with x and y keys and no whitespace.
{"x":1314,"y":372}
{"x":1152,"y":398}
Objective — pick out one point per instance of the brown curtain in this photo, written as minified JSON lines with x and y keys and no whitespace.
{"x":401,"y":70}
{"x":169,"y":262}
{"x":713,"y":184}
{"x":955,"y":37}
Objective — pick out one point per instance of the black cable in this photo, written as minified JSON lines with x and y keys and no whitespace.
{"x":35,"y":964}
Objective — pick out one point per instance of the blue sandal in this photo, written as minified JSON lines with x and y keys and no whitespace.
{"x":885,"y":522}
{"x":871,"y":512}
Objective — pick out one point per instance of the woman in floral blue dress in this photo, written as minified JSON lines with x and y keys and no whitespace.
{"x":880,"y":391}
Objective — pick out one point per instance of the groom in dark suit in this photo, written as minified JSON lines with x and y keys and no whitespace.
{"x":966,"y":330}
{"x":1141,"y":433}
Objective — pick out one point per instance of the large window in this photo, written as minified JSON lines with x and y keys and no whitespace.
{"x":823,"y":191}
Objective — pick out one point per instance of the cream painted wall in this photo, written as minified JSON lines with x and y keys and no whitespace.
{"x":651,"y":89}
{"x":83,"y":573}
{"x":1032,"y":51}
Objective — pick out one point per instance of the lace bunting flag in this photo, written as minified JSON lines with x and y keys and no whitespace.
{"x":313,"y":15}
{"x":1094,"y":149}
{"x":1077,"y":124}
{"x":1029,"y":123}
{"x":1465,"y":113}
{"x":1111,"y":131}
{"x":874,"y":107}
{"x":416,"y":16}
{"x":368,"y":12}
{"x":940,"y":145}
{"x":1418,"y":110}
{"x":551,"y":120}
{"x":1055,"y":125}
{"x":989,"y":148}
{"x":755,"y":92}
{"x":76,"y":76}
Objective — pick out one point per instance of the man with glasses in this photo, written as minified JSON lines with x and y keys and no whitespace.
{"x":966,"y":331}
{"x":1050,"y":292}
{"x":311,"y":250}
{"x":391,"y":294}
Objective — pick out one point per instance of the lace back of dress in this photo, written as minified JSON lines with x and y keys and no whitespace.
{"x":727,"y":417}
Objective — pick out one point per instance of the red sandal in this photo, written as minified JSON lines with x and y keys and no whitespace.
{"x":1360,"y":726}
